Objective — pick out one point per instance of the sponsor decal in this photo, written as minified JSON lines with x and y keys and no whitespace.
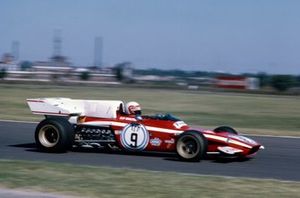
{"x":179,"y":124}
{"x":229,"y":150}
{"x":171,"y":141}
{"x":134,"y":137}
{"x":127,"y":118}
{"x":243,"y":139}
{"x":155,"y":142}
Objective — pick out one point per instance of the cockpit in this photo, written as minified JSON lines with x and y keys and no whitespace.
{"x":167,"y":117}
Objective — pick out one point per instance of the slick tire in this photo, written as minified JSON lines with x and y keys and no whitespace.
{"x":191,"y":146}
{"x":225,"y":129}
{"x":54,"y":135}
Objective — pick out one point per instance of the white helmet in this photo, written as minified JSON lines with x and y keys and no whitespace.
{"x":133,"y":108}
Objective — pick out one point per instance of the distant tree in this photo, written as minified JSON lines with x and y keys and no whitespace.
{"x":283,"y":82}
{"x":124,"y":72}
{"x":3,"y":74}
{"x":298,"y":81}
{"x":200,"y":74}
{"x":249,"y":75}
{"x":85,"y":75}
{"x":119,"y":73}
{"x":54,"y":77}
{"x":264,"y":79}
{"x":25,"y":65}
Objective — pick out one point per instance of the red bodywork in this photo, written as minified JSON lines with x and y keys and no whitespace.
{"x":162,"y":135}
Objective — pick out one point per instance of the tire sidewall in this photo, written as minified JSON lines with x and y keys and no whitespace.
{"x":65,"y":134}
{"x":201,"y":143}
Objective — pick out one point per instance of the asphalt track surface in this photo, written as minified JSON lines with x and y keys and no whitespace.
{"x":280,"y":159}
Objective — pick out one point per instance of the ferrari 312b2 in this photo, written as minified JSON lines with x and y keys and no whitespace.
{"x":111,"y":124}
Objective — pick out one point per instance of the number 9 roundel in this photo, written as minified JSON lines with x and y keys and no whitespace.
{"x":134,"y":137}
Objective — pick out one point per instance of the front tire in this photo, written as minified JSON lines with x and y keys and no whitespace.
{"x":191,"y":146}
{"x":227,"y":129}
{"x":54,"y":135}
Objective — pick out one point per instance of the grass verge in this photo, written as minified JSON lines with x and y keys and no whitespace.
{"x":89,"y":181}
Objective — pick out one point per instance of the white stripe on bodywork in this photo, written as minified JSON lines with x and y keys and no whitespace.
{"x":105,"y":123}
{"x":162,"y":130}
{"x":122,"y":124}
{"x":223,"y":139}
{"x":239,"y":143}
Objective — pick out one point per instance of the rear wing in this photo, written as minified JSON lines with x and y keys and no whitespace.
{"x":74,"y":107}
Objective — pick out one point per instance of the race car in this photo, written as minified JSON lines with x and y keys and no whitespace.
{"x":112,"y":124}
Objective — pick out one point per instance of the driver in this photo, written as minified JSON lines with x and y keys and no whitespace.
{"x":133,"y":108}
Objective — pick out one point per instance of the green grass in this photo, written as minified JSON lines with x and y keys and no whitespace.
{"x":250,"y":113}
{"x":89,"y":181}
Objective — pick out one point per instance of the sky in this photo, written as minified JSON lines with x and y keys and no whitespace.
{"x":211,"y":35}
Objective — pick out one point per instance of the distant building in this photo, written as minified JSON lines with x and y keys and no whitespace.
{"x":7,"y":63}
{"x":50,"y":67}
{"x":57,"y":68}
{"x":59,"y":61}
{"x":237,"y":82}
{"x":56,"y":64}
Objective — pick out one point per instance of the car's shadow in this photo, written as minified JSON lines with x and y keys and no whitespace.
{"x":212,"y":159}
{"x":26,"y":146}
{"x":224,"y":159}
{"x":31,"y":147}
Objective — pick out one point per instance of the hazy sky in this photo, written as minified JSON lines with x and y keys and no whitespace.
{"x":214,"y":35}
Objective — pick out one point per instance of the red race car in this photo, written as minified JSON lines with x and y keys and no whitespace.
{"x":115,"y":125}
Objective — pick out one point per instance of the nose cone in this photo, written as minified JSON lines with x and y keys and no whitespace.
{"x":245,"y":140}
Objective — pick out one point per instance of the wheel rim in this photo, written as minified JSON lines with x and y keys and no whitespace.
{"x":48,"y":136}
{"x":188,"y":147}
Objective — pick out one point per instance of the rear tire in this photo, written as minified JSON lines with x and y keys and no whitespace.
{"x":227,"y":129}
{"x":191,"y":146}
{"x":54,"y":135}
